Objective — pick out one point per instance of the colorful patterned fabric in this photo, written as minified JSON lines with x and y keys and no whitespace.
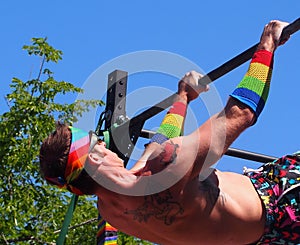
{"x":254,"y":88}
{"x":278,"y":184}
{"x":77,"y":156}
{"x":172,"y":123}
{"x":107,"y":234}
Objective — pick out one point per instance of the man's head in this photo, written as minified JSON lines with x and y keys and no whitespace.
{"x":62,"y":159}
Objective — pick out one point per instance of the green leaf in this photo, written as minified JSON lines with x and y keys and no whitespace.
{"x":31,"y":211}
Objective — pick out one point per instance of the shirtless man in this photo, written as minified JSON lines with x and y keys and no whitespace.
{"x":221,"y":208}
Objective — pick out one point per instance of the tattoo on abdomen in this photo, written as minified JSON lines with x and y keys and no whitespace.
{"x":159,"y":206}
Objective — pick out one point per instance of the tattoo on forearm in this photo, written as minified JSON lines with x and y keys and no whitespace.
{"x":159,"y":206}
{"x":169,"y":155}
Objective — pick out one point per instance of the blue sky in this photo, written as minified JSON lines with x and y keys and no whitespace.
{"x":204,"y":33}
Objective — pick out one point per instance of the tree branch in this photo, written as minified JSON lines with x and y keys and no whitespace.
{"x":80,"y":224}
{"x":41,"y":67}
{"x":4,"y":238}
{"x":28,"y":238}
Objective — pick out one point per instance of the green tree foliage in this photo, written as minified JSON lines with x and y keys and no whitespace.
{"x":31,"y":211}
{"x":124,"y":239}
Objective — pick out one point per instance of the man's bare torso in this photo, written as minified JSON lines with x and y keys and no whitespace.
{"x":222,"y":209}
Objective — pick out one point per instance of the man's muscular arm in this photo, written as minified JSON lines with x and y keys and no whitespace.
{"x":209,"y":142}
{"x":173,"y":123}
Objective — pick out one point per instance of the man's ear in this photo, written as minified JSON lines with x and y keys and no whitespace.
{"x":93,"y":158}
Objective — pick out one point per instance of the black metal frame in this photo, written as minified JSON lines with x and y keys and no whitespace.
{"x":125,"y":132}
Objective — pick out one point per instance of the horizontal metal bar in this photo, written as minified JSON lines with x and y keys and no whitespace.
{"x":248,"y":155}
{"x":136,"y":123}
{"x":217,"y":73}
{"x":234,"y":152}
{"x":244,"y":56}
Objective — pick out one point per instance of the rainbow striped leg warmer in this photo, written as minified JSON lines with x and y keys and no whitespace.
{"x":107,"y":234}
{"x":254,"y":88}
{"x":172,"y":124}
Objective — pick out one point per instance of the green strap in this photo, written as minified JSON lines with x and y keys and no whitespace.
{"x":106,"y":138}
{"x":64,"y":230}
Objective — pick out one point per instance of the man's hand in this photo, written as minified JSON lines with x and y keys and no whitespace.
{"x":270,"y":38}
{"x":189,"y":88}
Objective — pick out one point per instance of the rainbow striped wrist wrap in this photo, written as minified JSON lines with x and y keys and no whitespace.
{"x":172,"y":123}
{"x":254,"y":88}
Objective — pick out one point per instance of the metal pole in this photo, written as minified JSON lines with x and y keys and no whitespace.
{"x":225,"y":68}
{"x":248,"y":155}
{"x":244,"y":56}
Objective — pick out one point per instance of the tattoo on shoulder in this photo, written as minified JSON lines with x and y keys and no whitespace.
{"x":159,"y":206}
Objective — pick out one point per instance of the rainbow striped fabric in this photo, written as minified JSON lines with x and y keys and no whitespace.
{"x":78,"y":153}
{"x":107,"y":234}
{"x":254,"y":88}
{"x":77,"y":156}
{"x":172,"y":123}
